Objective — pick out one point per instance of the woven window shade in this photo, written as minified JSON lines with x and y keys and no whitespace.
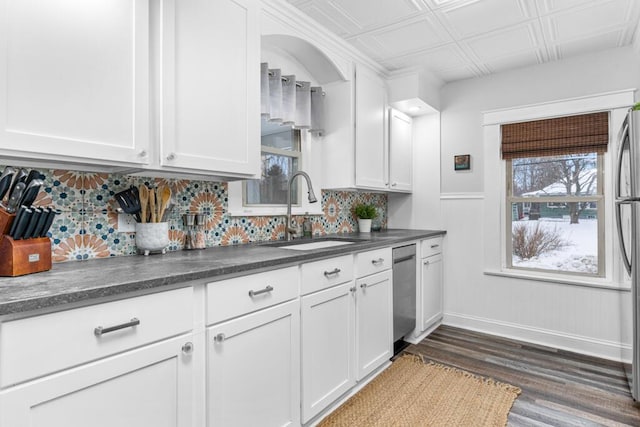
{"x":586,"y":133}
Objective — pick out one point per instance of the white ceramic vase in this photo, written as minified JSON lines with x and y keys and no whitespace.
{"x":152,"y":237}
{"x":364,"y":225}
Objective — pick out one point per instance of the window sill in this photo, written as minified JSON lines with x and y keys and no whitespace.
{"x":586,"y":282}
{"x":273,"y":211}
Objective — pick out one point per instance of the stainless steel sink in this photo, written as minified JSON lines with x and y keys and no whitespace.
{"x":311,"y":244}
{"x":315,"y":245}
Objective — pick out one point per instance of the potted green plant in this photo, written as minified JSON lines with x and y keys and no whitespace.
{"x":365,"y":213}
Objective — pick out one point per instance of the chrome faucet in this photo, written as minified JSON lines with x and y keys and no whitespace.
{"x":290,"y":231}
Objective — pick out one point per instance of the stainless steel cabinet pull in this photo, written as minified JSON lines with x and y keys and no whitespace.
{"x":101,"y":331}
{"x":332,"y":272}
{"x":253,"y":293}
{"x":435,"y":246}
{"x":378,"y":261}
{"x":143,"y":153}
{"x":171,"y":157}
{"x":352,"y":290}
{"x":426,"y":263}
{"x":219,"y":338}
{"x":363,"y":286}
{"x":187,"y":348}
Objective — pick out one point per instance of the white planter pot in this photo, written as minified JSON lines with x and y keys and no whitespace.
{"x":364,"y":225}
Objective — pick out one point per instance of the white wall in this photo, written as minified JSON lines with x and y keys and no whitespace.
{"x":421,"y":210}
{"x":586,"y":319}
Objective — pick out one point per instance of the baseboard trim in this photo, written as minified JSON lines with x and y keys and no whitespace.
{"x":611,"y":350}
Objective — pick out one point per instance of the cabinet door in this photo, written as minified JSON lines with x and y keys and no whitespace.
{"x":74,"y":80}
{"x":253,"y":362}
{"x":148,"y":387}
{"x":328,"y":347}
{"x":371,"y":149}
{"x":431,"y":290}
{"x":374,"y":322}
{"x":400,"y":151}
{"x":210,"y":86}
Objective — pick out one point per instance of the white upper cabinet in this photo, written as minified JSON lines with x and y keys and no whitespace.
{"x":371,"y":153}
{"x":400,"y":151}
{"x":74,"y":80}
{"x":210,"y":72}
{"x":355,"y":142}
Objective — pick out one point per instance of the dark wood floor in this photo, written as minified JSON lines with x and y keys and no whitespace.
{"x":559,"y":388}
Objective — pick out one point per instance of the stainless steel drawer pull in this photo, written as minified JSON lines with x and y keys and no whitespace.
{"x":363,"y":286}
{"x":219,"y":338}
{"x":377,"y":262}
{"x":253,"y":293}
{"x":332,"y":272}
{"x":435,"y":246}
{"x":101,"y":331}
{"x":426,"y":262}
{"x":352,"y":289}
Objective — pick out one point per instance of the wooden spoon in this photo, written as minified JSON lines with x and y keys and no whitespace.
{"x":152,"y":204}
{"x":143,"y":194}
{"x":164,"y":198}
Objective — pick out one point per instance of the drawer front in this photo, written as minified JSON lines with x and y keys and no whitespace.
{"x":373,"y":261}
{"x":431,"y":247}
{"x":39,"y":345}
{"x":242,"y":295}
{"x":326,"y":273}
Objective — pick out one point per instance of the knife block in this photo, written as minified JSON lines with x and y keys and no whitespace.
{"x":20,"y":257}
{"x":6,"y":219}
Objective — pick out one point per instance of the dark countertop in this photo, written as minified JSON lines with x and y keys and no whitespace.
{"x":82,"y":281}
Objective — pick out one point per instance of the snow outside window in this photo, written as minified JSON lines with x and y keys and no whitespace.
{"x":555,"y":207}
{"x":280,"y":157}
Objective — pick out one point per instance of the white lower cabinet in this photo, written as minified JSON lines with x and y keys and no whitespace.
{"x":147,"y":387}
{"x":431,"y":284}
{"x":347,"y":329}
{"x":328,"y":347}
{"x":253,"y":369}
{"x":374,"y":322}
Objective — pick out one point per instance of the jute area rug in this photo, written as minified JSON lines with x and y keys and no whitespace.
{"x":412,"y":393}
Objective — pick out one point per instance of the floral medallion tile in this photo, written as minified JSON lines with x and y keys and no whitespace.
{"x":101,"y":188}
{"x":64,"y":188}
{"x":65,"y":225}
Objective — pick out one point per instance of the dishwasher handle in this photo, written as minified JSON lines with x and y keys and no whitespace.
{"x":404,"y":258}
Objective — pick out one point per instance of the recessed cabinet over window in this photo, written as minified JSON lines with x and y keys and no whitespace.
{"x":210,"y":74}
{"x":74,"y":81}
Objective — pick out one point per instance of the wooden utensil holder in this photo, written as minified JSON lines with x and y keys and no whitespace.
{"x":20,"y":257}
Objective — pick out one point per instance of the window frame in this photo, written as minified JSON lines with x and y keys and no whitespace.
{"x":598,"y":198}
{"x":295,"y":154}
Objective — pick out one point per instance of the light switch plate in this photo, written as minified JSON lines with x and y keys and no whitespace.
{"x":126,"y":223}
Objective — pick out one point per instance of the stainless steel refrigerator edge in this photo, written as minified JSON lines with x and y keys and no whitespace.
{"x":627,"y":188}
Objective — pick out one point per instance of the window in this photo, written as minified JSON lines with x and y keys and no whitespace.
{"x":561,"y":230}
{"x":281,"y":156}
{"x":555,"y":194}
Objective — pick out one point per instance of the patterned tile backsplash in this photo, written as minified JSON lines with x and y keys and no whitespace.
{"x":88,"y":224}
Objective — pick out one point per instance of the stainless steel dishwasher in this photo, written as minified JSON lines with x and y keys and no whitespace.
{"x":404,"y":291}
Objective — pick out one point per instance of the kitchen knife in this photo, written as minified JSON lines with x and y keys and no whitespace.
{"x":22,"y":224}
{"x":20,"y":176}
{"x":14,"y":224}
{"x":33,"y":222}
{"x":41,"y":223}
{"x":5,"y":180}
{"x":51,"y":215}
{"x":31,"y":192}
{"x":33,"y":174}
{"x":15,"y":197}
